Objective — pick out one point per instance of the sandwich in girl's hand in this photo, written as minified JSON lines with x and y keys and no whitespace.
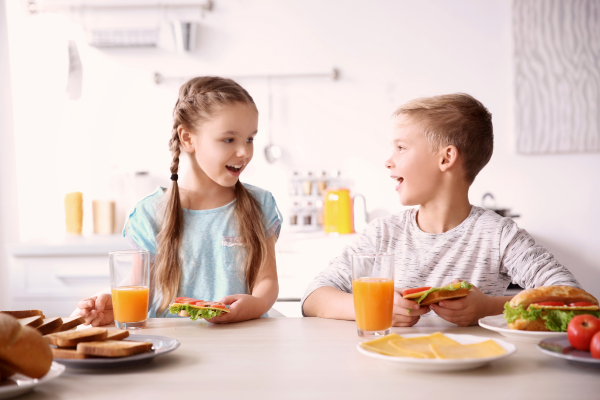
{"x":194,"y":308}
{"x":548,"y":308}
{"x":425,"y":296}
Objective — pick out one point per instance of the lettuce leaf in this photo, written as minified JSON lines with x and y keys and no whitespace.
{"x":195,"y":313}
{"x":463,"y":285}
{"x":556,"y":320}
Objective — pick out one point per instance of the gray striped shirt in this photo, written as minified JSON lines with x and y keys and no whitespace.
{"x":486,"y":250}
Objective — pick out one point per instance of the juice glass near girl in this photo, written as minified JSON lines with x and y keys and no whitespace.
{"x":129,"y":284}
{"x":373,"y":289}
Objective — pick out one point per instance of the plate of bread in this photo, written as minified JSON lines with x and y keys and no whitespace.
{"x":543,"y":313}
{"x":437,"y":351}
{"x":98,"y":348}
{"x":25,"y":358}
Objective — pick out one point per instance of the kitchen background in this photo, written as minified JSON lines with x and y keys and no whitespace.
{"x":106,"y":136}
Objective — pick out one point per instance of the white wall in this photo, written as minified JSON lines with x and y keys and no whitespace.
{"x":8,"y":218}
{"x":388,"y":52}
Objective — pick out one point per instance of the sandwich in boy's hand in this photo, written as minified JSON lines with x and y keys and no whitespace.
{"x":194,"y":308}
{"x":548,"y":308}
{"x":425,"y":296}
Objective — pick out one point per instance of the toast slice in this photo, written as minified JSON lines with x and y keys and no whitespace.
{"x":24,"y":313}
{"x":117,"y":335}
{"x":114,"y":348}
{"x":436,"y":297}
{"x":70,"y":354}
{"x":70,"y":323}
{"x":32,"y":322}
{"x":71,"y":338}
{"x":50,"y":325}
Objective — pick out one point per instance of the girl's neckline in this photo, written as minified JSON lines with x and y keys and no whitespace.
{"x":162,"y":191}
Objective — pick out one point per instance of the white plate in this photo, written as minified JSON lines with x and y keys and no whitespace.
{"x":561,"y":348}
{"x":18,"y":384}
{"x":160,"y":345}
{"x":430,"y":364}
{"x":498,"y":324}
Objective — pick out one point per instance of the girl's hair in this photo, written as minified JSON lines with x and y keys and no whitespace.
{"x":199,"y":100}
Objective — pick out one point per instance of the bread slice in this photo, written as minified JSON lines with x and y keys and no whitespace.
{"x":117,"y":335}
{"x":32,"y":322}
{"x":565,"y":294}
{"x":114,"y":348}
{"x":70,"y":354}
{"x":440,"y":295}
{"x":72,"y":338}
{"x":70,"y":323}
{"x":524,"y":325}
{"x":50,"y":325}
{"x":24,"y":313}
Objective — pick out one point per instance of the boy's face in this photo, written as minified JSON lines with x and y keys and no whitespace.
{"x":412,"y":166}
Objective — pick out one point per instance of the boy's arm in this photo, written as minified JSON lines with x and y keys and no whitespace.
{"x":329,"y":302}
{"x":530,"y":264}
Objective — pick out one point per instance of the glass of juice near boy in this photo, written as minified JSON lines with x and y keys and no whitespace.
{"x":373,"y":290}
{"x":129,"y":284}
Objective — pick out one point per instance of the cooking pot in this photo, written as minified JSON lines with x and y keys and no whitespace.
{"x":504,"y":212}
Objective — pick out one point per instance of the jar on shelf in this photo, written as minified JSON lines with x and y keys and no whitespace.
{"x":322,"y":183}
{"x":307,"y":184}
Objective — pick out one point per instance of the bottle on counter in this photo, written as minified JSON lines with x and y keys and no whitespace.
{"x":294,"y":184}
{"x":322,"y":183}
{"x":294,"y":215}
{"x":307,"y":184}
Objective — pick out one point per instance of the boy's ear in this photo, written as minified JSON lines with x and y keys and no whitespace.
{"x":449,"y":157}
{"x":185,"y":138}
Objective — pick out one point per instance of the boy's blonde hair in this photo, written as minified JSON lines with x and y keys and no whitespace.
{"x":456,"y":119}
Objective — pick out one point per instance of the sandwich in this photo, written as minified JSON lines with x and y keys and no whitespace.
{"x":425,"y":296}
{"x":548,"y":308}
{"x":194,"y":308}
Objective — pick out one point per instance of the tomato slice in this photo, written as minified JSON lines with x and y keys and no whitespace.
{"x":551,"y":304}
{"x":581,"y":304}
{"x":221,"y":306}
{"x":415,"y":290}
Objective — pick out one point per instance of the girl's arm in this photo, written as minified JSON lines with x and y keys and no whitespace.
{"x":243,"y":306}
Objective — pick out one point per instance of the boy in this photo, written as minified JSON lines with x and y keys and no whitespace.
{"x":439,"y":145}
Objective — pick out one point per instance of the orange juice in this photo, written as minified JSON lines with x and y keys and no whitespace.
{"x":130,"y":303}
{"x":373,"y":303}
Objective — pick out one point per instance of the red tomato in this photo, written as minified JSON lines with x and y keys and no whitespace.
{"x":581,"y":304}
{"x":222,"y":306}
{"x":595,"y":345}
{"x":581,"y":329}
{"x":415,"y":290}
{"x":551,"y":303}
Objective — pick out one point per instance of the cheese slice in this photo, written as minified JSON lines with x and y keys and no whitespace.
{"x":489,"y":348}
{"x":565,"y":308}
{"x":419,"y":346}
{"x":382,"y":346}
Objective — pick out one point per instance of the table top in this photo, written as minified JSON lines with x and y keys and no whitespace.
{"x":281,"y":358}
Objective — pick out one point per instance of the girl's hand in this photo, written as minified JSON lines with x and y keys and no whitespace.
{"x":242,"y":308}
{"x":97,"y":310}
{"x":406,"y":312}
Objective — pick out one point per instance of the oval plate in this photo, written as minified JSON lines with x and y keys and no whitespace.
{"x":160,"y":345}
{"x":430,"y":364}
{"x":497,"y":323}
{"x":561,"y":348}
{"x":18,"y":384}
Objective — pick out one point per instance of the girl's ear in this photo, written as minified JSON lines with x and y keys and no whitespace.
{"x":185,"y":138}
{"x":449,"y":158}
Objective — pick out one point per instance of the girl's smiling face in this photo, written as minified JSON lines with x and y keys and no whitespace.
{"x":412,"y":166}
{"x":223,"y":146}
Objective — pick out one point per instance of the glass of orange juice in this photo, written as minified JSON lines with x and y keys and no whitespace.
{"x":373,"y":289}
{"x":129,"y":284}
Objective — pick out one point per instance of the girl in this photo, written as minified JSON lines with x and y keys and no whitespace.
{"x":210,"y":236}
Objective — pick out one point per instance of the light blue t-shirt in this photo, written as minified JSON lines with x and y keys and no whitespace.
{"x":209,"y":246}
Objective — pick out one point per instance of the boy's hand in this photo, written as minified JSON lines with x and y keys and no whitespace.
{"x":464,"y":311}
{"x":242,"y":308}
{"x":97,"y":310}
{"x":401,"y":315}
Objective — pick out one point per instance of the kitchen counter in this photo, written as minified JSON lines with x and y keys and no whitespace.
{"x":302,"y":358}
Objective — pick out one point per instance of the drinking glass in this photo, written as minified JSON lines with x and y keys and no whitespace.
{"x":129,"y":284}
{"x":373,"y":288}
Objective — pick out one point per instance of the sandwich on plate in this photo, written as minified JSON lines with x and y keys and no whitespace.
{"x":425,"y":296}
{"x":194,"y":308}
{"x":548,"y":308}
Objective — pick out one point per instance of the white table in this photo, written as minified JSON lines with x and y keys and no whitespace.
{"x":308,"y":358}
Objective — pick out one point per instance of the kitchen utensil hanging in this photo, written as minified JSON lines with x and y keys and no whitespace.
{"x":272,"y":152}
